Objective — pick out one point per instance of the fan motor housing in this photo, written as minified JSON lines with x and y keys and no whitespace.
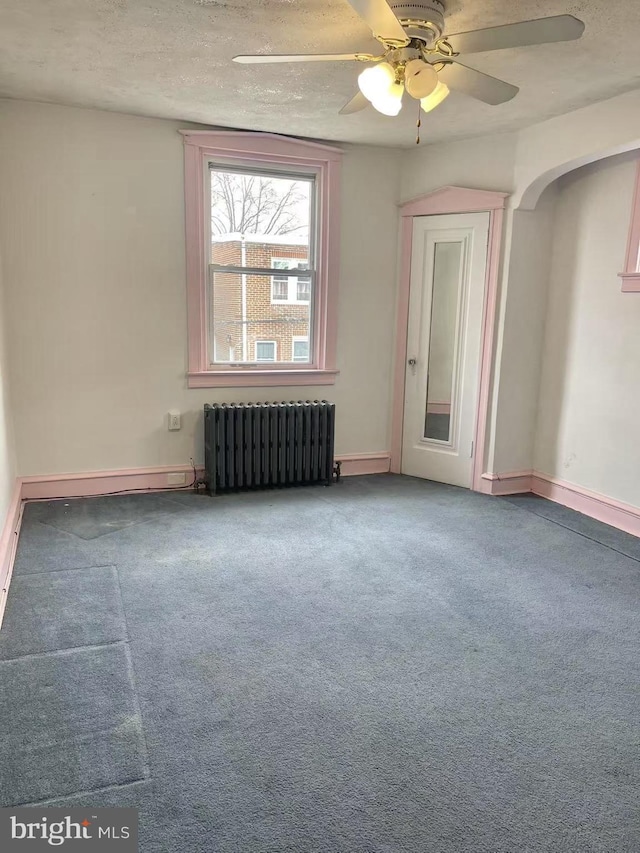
{"x":422,"y":20}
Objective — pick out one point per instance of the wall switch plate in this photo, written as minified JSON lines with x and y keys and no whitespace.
{"x":177,"y":479}
{"x":174,"y":420}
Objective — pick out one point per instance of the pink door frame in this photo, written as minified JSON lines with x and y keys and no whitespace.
{"x":450,"y":200}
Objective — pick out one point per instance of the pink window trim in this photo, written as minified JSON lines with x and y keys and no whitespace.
{"x":631,"y":274}
{"x":252,"y":378}
{"x":201,"y":146}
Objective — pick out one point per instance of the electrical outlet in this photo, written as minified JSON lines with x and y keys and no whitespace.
{"x":174,"y":420}
{"x":177,"y":479}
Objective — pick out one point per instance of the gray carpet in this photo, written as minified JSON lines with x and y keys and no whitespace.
{"x":70,"y":723}
{"x":85,"y":605}
{"x":625,"y":543}
{"x":90,"y":519}
{"x":386,"y":665}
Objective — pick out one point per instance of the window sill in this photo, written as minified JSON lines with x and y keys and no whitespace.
{"x":630,"y":282}
{"x":252,"y":378}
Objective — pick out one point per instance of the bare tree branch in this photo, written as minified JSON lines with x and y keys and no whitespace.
{"x":252,"y":204}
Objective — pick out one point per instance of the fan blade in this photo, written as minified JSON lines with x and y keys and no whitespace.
{"x":541,"y":31}
{"x":303,"y":57}
{"x":475,"y":83}
{"x":357,"y":103}
{"x":384,"y":24}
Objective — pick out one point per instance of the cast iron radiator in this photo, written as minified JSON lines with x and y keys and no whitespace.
{"x":261,"y":445}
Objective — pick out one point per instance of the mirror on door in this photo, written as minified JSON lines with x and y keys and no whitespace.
{"x":443,"y":333}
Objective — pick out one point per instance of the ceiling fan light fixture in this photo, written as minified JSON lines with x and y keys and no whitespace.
{"x":436,"y":97}
{"x":390,"y":103}
{"x":421,"y":78}
{"x":376,"y":81}
{"x":416,"y":42}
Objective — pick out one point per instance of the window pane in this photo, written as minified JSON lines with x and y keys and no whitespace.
{"x":445,"y":317}
{"x":242,"y":313}
{"x":301,"y":350}
{"x":279,"y":288}
{"x":265,"y":351}
{"x":260,"y":221}
{"x":304,"y":290}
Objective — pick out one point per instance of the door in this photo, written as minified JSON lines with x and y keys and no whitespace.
{"x":444,"y":335}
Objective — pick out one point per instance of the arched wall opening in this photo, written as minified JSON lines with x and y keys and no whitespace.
{"x":566,"y":405}
{"x":530,"y":196}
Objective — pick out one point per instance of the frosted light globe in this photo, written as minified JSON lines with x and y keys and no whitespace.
{"x":420,"y":78}
{"x":376,"y":81}
{"x":390,"y":104}
{"x":436,"y":97}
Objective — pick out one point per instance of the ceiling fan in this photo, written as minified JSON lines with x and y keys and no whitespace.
{"x":418,"y":57}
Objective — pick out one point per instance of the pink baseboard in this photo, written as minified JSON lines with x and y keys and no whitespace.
{"x":621,"y":515}
{"x":9,"y":544}
{"x":86,"y":484}
{"x":364,"y":463}
{"x":511,"y":483}
{"x":600,"y":507}
{"x":102,"y":482}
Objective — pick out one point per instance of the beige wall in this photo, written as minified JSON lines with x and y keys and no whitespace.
{"x":589,"y":405}
{"x":7,"y":453}
{"x":520,"y":334}
{"x":552,"y":148}
{"x":482,"y":163}
{"x":92,"y":233}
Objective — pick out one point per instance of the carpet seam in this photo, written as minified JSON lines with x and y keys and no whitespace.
{"x":106,"y":533}
{"x":66,"y":569}
{"x":132,"y":677}
{"x":578,"y":532}
{"x":70,"y":650}
{"x":51,"y":527}
{"x":81,"y":793}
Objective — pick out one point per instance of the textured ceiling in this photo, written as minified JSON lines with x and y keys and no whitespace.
{"x":172,"y":59}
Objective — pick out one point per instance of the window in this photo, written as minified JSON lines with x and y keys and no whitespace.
{"x":279,"y":284}
{"x":260,"y":210}
{"x":300,"y":349}
{"x":290,"y":288}
{"x":631,"y":274}
{"x":303,"y":286}
{"x":265,"y":350}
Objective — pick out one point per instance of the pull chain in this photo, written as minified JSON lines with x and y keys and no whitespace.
{"x":418,"y":124}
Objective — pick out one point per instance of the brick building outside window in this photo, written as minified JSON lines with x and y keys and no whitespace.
{"x":248,"y":311}
{"x":262,"y":240}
